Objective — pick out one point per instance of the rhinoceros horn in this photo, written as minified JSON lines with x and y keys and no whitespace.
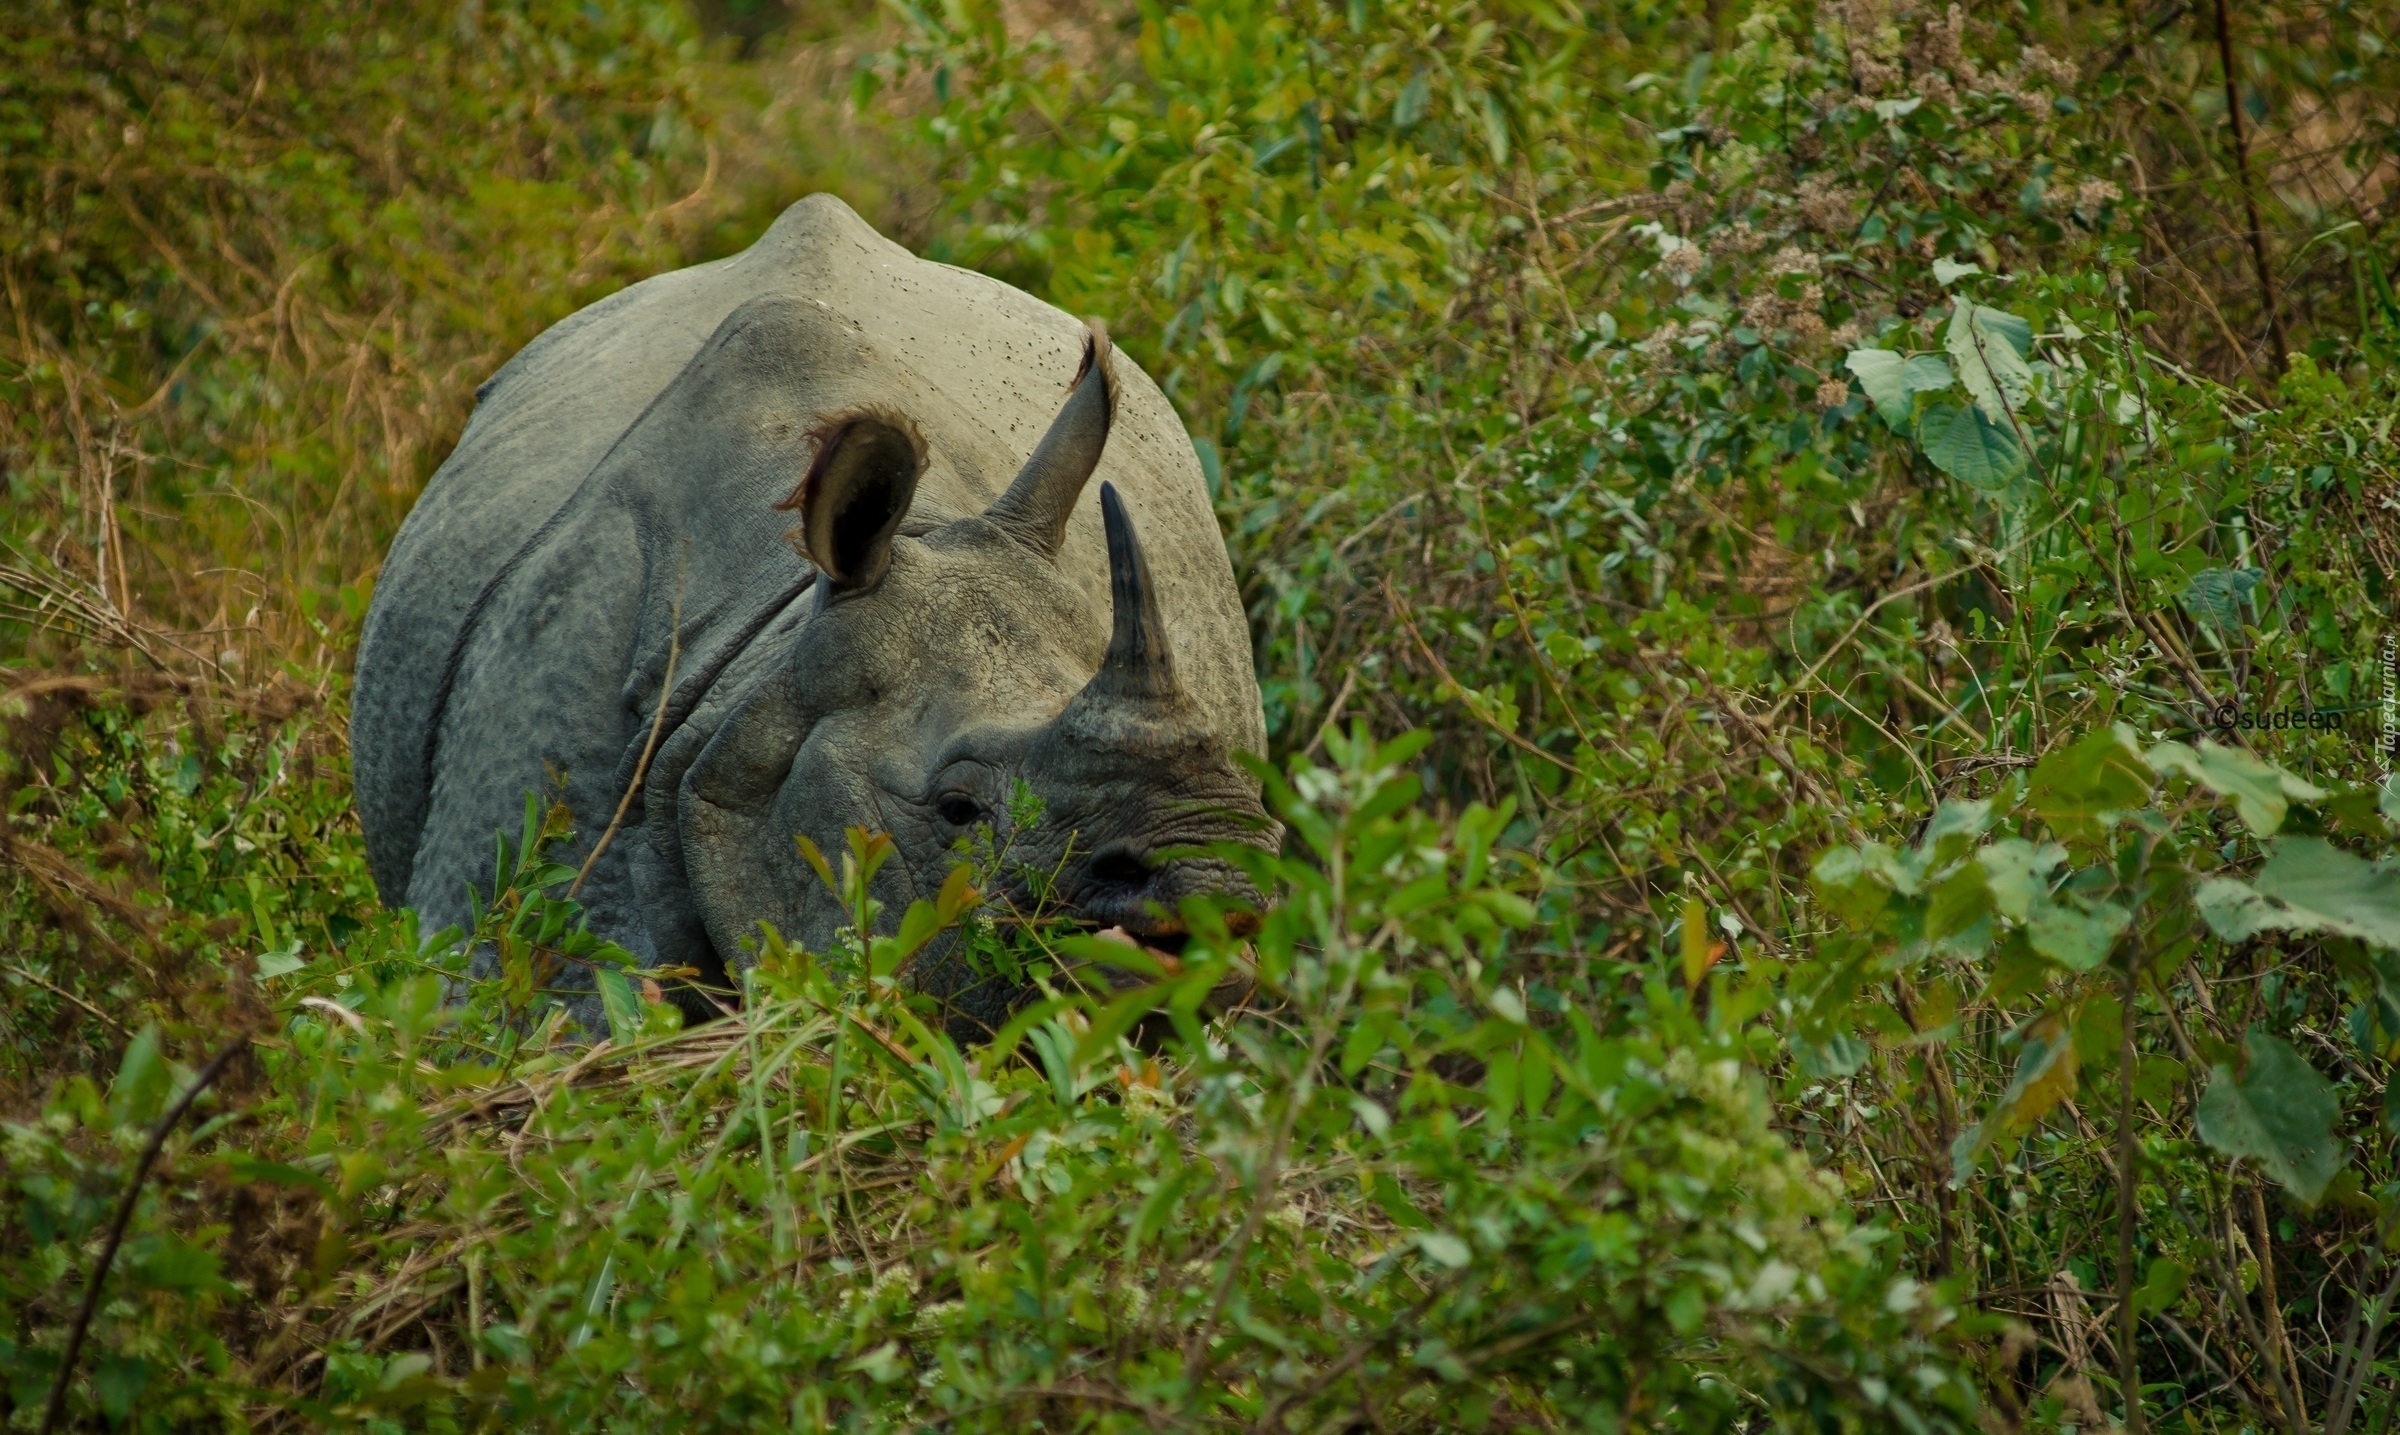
{"x":1140,"y":665}
{"x":1034,"y":510}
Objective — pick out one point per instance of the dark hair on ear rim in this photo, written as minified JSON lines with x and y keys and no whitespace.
{"x":1097,"y":348}
{"x":856,"y":492}
{"x":826,"y":434}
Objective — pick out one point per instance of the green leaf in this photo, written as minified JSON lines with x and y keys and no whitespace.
{"x":1947,"y":272}
{"x":2280,"y":1113}
{"x":2261,"y":791}
{"x":1118,"y":1018}
{"x":1955,"y":824}
{"x":2087,"y":786}
{"x":2045,"y":1076}
{"x":1495,"y":128}
{"x":2341,"y":892}
{"x":621,"y":1002}
{"x":1892,"y":382}
{"x":2320,"y":888}
{"x":1990,"y":348}
{"x":2215,"y":596}
{"x":2236,"y":913}
{"x":280,"y":962}
{"x":2018,"y":873}
{"x":165,"y":1262}
{"x":917,"y":927}
{"x":1387,"y":1194}
{"x":1445,"y":1249}
{"x":1879,"y":376}
{"x":2076,"y":940}
{"x":1971,"y":448}
{"x":117,"y":1382}
{"x":2163,"y":1286}
{"x":143,"y":1081}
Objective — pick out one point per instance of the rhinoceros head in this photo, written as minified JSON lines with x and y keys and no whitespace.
{"x":942,"y":667}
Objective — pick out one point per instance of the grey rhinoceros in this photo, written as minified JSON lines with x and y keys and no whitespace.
{"x":959,"y":607}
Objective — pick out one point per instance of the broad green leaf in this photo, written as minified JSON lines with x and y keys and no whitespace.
{"x":117,"y":1382}
{"x":1892,"y":382}
{"x":2382,"y":1006}
{"x":883,"y":1365}
{"x":1979,"y":452}
{"x":2076,"y":940}
{"x":1990,"y":348}
{"x":2163,"y":1286}
{"x":2339,"y":892}
{"x":2018,"y":873}
{"x":1838,"y":1055}
{"x":958,"y":893}
{"x":1118,"y":1018}
{"x":2215,"y":596}
{"x":2085,"y":787}
{"x":2045,"y":1076}
{"x":1926,"y":374}
{"x":2260,"y":790}
{"x":1857,"y":882}
{"x":1387,"y":1194}
{"x":917,"y":927}
{"x":2280,"y":1113}
{"x":1952,"y":821}
{"x":2236,"y":913}
{"x":1878,"y":372}
{"x":280,"y":962}
{"x":1445,"y":1249}
{"x":167,"y":1262}
{"x":1947,"y":272}
{"x":1958,"y":913}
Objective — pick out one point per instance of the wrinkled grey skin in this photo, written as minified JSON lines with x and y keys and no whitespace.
{"x":963,"y":616}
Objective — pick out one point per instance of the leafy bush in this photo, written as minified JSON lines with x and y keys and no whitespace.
{"x":1391,"y":1191}
{"x":1745,"y":443}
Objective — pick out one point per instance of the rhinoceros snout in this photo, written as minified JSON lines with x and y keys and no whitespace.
{"x":1144,"y":893}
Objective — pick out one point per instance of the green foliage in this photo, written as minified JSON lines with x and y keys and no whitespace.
{"x":1392,"y":1186}
{"x":1540,"y":421}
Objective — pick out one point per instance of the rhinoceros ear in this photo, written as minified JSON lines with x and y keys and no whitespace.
{"x":1039,"y":500}
{"x":855,"y":493}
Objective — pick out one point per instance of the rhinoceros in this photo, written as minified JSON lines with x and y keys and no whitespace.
{"x":602,"y":597}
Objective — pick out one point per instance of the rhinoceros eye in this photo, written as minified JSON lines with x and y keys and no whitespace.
{"x":959,"y":810}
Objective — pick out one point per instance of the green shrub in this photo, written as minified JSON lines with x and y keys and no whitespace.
{"x":1390,"y":1190}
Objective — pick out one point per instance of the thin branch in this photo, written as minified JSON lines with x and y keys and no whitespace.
{"x":124,"y":1218}
{"x":2241,"y":165}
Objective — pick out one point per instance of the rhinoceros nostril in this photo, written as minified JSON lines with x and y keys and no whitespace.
{"x":1119,"y":867}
